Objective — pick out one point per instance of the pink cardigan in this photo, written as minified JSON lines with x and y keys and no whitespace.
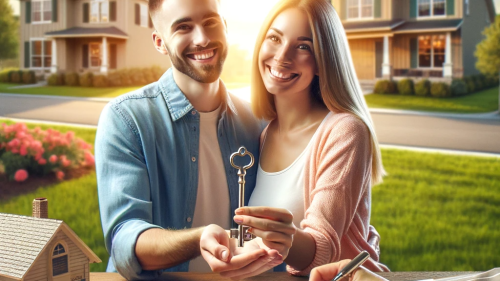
{"x":337,"y":193}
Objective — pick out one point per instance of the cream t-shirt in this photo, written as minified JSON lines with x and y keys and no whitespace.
{"x":212,"y":200}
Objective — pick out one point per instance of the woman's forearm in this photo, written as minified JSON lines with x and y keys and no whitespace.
{"x":302,"y":251}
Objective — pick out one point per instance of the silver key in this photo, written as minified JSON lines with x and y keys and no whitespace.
{"x":241,"y":232}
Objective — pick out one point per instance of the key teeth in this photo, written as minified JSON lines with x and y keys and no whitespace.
{"x":247,"y":235}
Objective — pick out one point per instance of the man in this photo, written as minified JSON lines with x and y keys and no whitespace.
{"x":162,"y":152}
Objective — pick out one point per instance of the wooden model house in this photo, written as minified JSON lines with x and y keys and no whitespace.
{"x":435,"y":39}
{"x":86,"y":35}
{"x":41,"y":249}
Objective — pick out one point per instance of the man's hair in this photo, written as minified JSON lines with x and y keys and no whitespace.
{"x":154,"y":5}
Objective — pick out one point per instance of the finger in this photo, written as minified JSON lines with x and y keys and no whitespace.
{"x":265,"y":224}
{"x":256,"y":267}
{"x":278,"y":214}
{"x":327,"y":271}
{"x":272,"y":236}
{"x":236,"y":262}
{"x":217,"y":244}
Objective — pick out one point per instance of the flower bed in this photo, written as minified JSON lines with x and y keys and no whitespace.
{"x":25,"y":152}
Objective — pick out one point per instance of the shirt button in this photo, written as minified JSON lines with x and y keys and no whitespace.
{"x":188,"y":219}
{"x":193,"y":159}
{"x":193,"y":112}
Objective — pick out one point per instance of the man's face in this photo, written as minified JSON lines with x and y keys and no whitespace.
{"x":194,"y":34}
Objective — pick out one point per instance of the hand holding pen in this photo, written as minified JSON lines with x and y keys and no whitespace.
{"x":343,"y":268}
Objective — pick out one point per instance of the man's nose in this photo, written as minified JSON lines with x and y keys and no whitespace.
{"x":200,"y":37}
{"x":282,"y":55}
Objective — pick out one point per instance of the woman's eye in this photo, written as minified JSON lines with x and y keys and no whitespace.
{"x":305,"y":47}
{"x":274,"y":38}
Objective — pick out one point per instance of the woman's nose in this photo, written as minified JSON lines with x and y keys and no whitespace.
{"x":282,"y":55}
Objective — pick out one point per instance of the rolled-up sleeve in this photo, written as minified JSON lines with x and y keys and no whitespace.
{"x":124,"y":190}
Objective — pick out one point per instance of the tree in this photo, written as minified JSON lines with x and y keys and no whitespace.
{"x":488,"y":52}
{"x":8,"y":32}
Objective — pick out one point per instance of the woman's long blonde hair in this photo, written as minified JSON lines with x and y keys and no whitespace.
{"x":338,"y":85}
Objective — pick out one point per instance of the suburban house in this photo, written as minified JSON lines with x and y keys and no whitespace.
{"x":86,"y":35}
{"x":40,"y":249}
{"x":434,"y":39}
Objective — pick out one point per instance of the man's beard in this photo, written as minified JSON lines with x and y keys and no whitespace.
{"x":207,"y":73}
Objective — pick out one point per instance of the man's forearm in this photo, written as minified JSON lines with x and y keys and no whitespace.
{"x":159,"y":248}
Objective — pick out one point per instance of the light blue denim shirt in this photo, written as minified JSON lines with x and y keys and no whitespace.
{"x":146,"y":152}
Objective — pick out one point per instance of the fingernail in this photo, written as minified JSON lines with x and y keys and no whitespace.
{"x":239,"y":211}
{"x":238,"y":219}
{"x":249,"y":229}
{"x":224,"y":255}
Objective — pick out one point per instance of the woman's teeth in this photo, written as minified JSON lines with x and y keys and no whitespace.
{"x":204,"y":56}
{"x":280,"y":75}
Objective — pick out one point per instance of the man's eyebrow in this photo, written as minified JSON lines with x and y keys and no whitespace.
{"x":211,"y":15}
{"x":182,"y":20}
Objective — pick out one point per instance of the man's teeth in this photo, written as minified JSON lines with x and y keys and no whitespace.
{"x":204,"y":56}
{"x":278,"y":74}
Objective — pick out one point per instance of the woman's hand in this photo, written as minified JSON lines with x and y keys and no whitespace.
{"x":328,"y":271}
{"x":224,"y":256}
{"x":274,"y":225}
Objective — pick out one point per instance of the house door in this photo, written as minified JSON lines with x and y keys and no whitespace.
{"x":379,"y":58}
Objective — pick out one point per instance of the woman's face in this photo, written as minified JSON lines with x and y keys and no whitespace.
{"x":286,"y":57}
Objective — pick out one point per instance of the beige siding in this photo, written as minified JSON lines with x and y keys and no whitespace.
{"x":39,"y":270}
{"x":121,"y":16}
{"x":402,"y":10}
{"x":385,"y":9}
{"x":401,"y":52}
{"x":456,"y":52}
{"x":363,"y":56}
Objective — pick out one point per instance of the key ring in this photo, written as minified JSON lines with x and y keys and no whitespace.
{"x":242,"y":151}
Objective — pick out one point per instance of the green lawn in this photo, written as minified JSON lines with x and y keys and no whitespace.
{"x":483,"y":101}
{"x":433,"y":211}
{"x":83,"y":92}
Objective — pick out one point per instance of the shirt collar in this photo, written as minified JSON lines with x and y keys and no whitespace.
{"x":178,"y":104}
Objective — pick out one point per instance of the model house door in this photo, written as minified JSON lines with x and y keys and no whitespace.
{"x":379,"y":53}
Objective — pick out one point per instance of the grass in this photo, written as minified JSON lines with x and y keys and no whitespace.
{"x":433,"y":211}
{"x":480,"y":102}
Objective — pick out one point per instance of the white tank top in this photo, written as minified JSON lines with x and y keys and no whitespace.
{"x":283,"y":189}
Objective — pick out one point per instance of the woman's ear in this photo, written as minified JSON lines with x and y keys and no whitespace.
{"x":159,"y":44}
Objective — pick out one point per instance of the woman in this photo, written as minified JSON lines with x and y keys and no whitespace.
{"x":319,"y":154}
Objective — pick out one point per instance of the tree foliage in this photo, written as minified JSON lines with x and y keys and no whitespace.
{"x":488,"y":50}
{"x":8,"y":32}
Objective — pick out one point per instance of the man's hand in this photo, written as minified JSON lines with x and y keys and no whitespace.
{"x":225,"y":257}
{"x":274,"y":225}
{"x":328,"y":271}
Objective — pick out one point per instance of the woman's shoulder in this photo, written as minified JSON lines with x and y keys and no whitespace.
{"x":343,"y":122}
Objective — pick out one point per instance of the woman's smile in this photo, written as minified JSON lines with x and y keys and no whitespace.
{"x":281,"y":75}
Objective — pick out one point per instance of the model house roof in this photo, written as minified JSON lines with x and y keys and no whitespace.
{"x":23,"y":238}
{"x":429,"y":25}
{"x":110,"y":31}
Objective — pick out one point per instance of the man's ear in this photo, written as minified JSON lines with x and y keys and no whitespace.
{"x":158,"y":43}
{"x":225,"y":23}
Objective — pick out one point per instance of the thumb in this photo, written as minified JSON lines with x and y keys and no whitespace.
{"x":327,"y":271}
{"x":217,"y":244}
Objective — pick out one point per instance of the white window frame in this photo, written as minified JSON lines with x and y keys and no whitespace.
{"x":431,"y":10}
{"x":432,"y":67}
{"x":143,"y":15}
{"x":43,"y":40}
{"x":42,"y":4}
{"x":360,"y":9}
{"x":467,"y":10}
{"x":100,"y":7}
{"x":90,"y":54}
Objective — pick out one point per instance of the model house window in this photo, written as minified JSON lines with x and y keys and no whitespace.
{"x":41,"y":11}
{"x":431,"y":50}
{"x":59,"y":260}
{"x":359,"y":9}
{"x":430,"y":8}
{"x":41,"y":53}
{"x":95,"y":54}
{"x":99,"y":11}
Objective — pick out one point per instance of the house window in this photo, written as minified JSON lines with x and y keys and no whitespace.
{"x":430,"y":8}
{"x":99,"y":11}
{"x":144,"y":15}
{"x":359,"y":9}
{"x":41,"y":53}
{"x":95,"y":54}
{"x":59,"y":260}
{"x":41,"y":11}
{"x":431,"y":51}
{"x":467,"y":7}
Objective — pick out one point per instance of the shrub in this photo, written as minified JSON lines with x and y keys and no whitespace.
{"x":478,"y":82}
{"x":471,"y":87}
{"x":458,"y":87}
{"x":423,"y":88}
{"x":29,"y":77}
{"x":440,"y":90}
{"x":72,"y":79}
{"x":114,"y":79}
{"x":100,"y":81}
{"x":16,"y":76}
{"x":148,"y":75}
{"x":157,"y":72}
{"x":137,"y":77}
{"x":52,"y":80}
{"x":38,"y":152}
{"x":406,"y":87}
{"x":385,"y":87}
{"x":4,"y":77}
{"x":86,"y":79}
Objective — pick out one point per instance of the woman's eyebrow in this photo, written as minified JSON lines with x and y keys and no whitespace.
{"x":303,"y":38}
{"x":277,"y":31}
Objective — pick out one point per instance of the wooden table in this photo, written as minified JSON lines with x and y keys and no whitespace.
{"x":278,"y":276}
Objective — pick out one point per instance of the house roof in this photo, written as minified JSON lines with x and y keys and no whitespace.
{"x":79,"y":32}
{"x":23,"y":238}
{"x":368,"y":26}
{"x":429,"y":25}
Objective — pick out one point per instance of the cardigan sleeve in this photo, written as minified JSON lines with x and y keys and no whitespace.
{"x":336,"y":178}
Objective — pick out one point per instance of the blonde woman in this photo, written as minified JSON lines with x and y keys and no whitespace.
{"x":319,"y":153}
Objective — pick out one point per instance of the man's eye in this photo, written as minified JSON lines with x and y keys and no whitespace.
{"x":210,"y":22}
{"x":183,"y":27}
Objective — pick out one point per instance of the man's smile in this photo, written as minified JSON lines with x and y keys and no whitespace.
{"x":204,"y":55}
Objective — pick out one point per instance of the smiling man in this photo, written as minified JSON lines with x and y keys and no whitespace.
{"x":162,"y":152}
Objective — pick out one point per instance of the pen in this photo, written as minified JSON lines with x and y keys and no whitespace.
{"x":352,"y":265}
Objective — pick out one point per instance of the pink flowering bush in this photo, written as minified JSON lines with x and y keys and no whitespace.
{"x":25,"y":152}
